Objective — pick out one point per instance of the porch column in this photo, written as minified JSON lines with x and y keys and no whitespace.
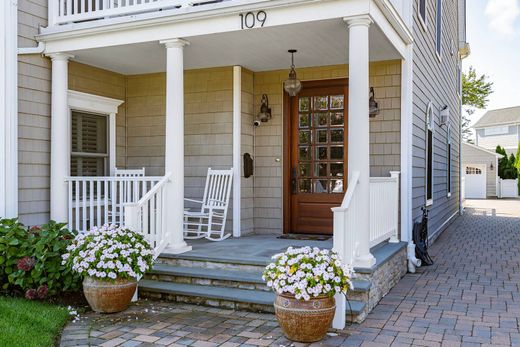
{"x":359,"y":132}
{"x":60,"y":136}
{"x":237,"y":144}
{"x":174,"y":148}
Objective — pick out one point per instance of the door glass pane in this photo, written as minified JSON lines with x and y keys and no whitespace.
{"x":304,"y":120}
{"x":336,"y":102}
{"x":320,"y":170}
{"x":321,"y":136}
{"x":336,"y":119}
{"x":336,"y":169}
{"x":305,"y":170}
{"x":336,"y":152}
{"x":320,"y":119}
{"x":304,"y":137}
{"x":321,"y":153}
{"x":320,"y":186}
{"x":305,"y":104}
{"x":336,"y":186}
{"x":305,"y":153}
{"x":336,"y":135}
{"x":305,"y":186}
{"x":321,"y":102}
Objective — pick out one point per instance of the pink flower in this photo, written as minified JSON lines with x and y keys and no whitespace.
{"x":42,"y":291}
{"x":26,"y":263}
{"x":31,"y":294}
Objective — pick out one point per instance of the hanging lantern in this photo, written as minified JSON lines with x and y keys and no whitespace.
{"x":292,"y":85}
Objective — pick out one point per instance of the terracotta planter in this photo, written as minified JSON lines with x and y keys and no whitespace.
{"x":304,"y":321}
{"x":106,"y":296}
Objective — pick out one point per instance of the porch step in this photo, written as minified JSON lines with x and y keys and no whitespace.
{"x":224,"y":278}
{"x":236,"y":298}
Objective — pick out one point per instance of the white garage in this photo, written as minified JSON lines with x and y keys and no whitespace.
{"x":480,"y":171}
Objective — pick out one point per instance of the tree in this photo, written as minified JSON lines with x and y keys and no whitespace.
{"x":475,"y":93}
{"x":517,"y":166}
{"x":507,"y":165}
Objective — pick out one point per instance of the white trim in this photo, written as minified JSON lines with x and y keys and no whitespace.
{"x":237,"y":143}
{"x":78,"y":101}
{"x":438,"y":26}
{"x":424,"y":22}
{"x":430,"y":125}
{"x":8,"y":109}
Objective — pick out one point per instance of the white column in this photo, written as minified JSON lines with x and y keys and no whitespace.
{"x":237,"y":143}
{"x":8,"y":110}
{"x":359,"y":131}
{"x":174,"y":150}
{"x":60,"y":136}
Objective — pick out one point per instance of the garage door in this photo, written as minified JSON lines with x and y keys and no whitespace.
{"x":475,"y":181}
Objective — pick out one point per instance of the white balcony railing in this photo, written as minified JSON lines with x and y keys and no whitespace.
{"x":74,"y":11}
{"x":94,"y":201}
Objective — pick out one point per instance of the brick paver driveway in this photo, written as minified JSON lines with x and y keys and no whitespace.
{"x":469,"y":297}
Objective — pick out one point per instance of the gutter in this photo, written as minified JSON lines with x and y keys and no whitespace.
{"x":32,"y":50}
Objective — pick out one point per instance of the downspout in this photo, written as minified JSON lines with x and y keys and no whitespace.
{"x":406,"y":146}
{"x":32,"y":50}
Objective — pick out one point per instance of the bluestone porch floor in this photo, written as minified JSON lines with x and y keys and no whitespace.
{"x":470,"y":297}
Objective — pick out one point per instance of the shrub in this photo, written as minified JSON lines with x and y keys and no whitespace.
{"x":30,"y":259}
{"x":108,"y":253}
{"x":308,"y":272}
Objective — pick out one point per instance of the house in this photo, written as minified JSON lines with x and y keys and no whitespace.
{"x":175,"y":86}
{"x":499,"y":128}
{"x":480,"y":172}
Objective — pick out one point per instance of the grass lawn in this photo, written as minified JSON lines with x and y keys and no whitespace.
{"x":30,"y":323}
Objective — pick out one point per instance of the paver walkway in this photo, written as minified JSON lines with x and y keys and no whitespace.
{"x":470,"y":297}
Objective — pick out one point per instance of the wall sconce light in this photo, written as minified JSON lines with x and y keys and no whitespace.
{"x":491,"y":167}
{"x":265,"y":111}
{"x":292,"y":85}
{"x":373,"y":106}
{"x":445,"y":115}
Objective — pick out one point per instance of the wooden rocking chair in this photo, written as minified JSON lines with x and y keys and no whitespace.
{"x":210,"y":221}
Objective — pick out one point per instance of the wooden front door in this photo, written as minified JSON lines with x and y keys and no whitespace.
{"x":318,"y":155}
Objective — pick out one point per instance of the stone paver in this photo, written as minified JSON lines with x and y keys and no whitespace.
{"x":470,"y":297}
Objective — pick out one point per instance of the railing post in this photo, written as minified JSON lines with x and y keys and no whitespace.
{"x":53,"y":9}
{"x":395,"y":237}
{"x":132,"y":217}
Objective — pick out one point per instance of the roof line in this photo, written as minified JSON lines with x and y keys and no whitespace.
{"x":481,"y":148}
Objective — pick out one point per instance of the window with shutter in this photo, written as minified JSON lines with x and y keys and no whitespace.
{"x":89,"y":144}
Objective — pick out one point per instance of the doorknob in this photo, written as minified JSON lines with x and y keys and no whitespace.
{"x":293,"y":180}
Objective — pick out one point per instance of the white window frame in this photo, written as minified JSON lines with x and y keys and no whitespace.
{"x":448,"y":160}
{"x":422,"y":20}
{"x":430,"y":125}
{"x":438,"y":29}
{"x":85,"y":102}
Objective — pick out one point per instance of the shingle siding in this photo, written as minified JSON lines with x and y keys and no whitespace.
{"x":436,"y":81}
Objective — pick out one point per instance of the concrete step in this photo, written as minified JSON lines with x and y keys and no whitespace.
{"x":225,"y":278}
{"x":236,"y":298}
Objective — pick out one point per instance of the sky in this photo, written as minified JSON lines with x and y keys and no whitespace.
{"x":493,"y":32}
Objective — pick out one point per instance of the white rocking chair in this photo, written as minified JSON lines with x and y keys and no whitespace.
{"x":210,"y":221}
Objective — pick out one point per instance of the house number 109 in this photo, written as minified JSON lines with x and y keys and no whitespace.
{"x":250,"y":20}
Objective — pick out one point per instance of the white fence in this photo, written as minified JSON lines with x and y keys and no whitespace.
{"x":73,"y":11}
{"x":94,"y":201}
{"x":384,"y":208}
{"x":507,"y":188}
{"x":147,"y":216}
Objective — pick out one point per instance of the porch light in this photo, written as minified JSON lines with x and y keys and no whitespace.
{"x":491,"y":167}
{"x":265,"y":111}
{"x":373,"y":106}
{"x":292,"y":85}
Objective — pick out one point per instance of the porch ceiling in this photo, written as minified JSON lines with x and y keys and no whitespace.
{"x":319,"y":43}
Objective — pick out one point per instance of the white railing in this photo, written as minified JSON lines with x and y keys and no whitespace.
{"x":94,"y":201}
{"x":73,"y":11}
{"x":508,"y":188}
{"x":384,"y":208}
{"x":147,"y":216}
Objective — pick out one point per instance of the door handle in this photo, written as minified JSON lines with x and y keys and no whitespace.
{"x":293,"y":180}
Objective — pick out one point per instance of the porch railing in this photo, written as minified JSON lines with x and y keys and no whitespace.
{"x":73,"y":11}
{"x":384,"y":208}
{"x":384,"y":213}
{"x":94,"y":201}
{"x":147,"y":216}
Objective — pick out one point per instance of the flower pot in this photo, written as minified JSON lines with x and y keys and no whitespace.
{"x":304,"y":321}
{"x":107,"y":296}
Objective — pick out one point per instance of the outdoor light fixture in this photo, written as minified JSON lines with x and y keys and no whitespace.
{"x":445,"y":115}
{"x":265,"y":111}
{"x":373,"y":106}
{"x":491,"y":167}
{"x":292,"y":85}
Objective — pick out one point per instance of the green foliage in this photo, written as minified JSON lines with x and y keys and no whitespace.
{"x":30,"y":259}
{"x":506,"y":165}
{"x":30,"y":323}
{"x":475,"y":93}
{"x":517,"y":166}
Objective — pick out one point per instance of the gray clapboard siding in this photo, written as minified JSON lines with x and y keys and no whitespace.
{"x":436,"y":81}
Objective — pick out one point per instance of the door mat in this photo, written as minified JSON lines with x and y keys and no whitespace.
{"x":304,"y":237}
